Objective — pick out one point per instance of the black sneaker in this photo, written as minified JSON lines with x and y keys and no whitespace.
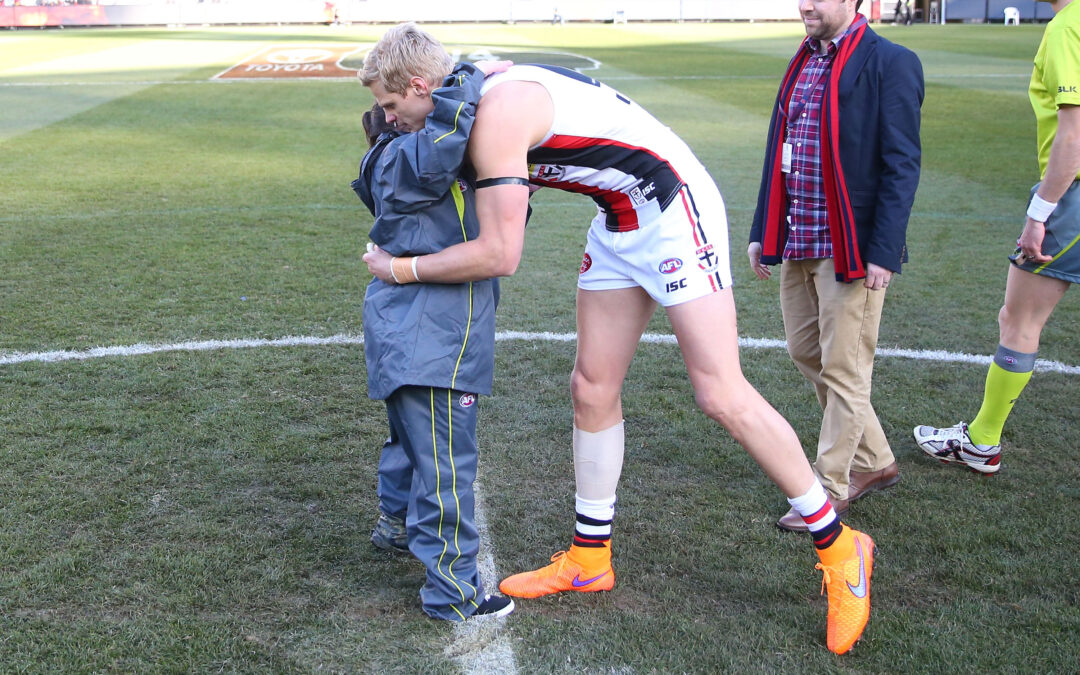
{"x":390,"y":535}
{"x":494,"y":606}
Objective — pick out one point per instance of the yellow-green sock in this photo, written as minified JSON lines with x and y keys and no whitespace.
{"x":1005,"y":381}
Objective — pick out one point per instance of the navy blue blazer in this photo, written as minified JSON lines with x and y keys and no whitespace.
{"x":880,"y":98}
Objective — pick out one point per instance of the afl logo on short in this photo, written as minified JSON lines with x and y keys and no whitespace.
{"x":670,"y":266}
{"x":462,"y":185}
{"x":467,"y":400}
{"x":586,"y":263}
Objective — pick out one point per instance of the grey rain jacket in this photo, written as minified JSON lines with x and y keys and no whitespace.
{"x":438,"y":335}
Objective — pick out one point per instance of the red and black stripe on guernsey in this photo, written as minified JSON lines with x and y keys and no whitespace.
{"x":605,"y":153}
{"x":591,"y":540}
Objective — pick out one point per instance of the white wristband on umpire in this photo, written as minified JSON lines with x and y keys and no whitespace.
{"x":1039,"y":209}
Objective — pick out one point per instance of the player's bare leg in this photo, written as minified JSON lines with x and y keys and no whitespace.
{"x":707,"y":335}
{"x":610,"y":324}
{"x":1030,"y":299}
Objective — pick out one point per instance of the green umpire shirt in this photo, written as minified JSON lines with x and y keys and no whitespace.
{"x":1055,"y":81}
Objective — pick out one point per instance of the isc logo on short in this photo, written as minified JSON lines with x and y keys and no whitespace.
{"x":670,"y":266}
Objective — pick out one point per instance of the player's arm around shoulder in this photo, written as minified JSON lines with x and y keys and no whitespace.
{"x":511,"y":118}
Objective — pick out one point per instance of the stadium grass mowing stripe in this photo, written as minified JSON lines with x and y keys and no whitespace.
{"x":12,"y":358}
{"x":938,"y":77}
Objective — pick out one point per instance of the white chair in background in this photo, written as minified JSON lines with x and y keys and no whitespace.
{"x":1012,"y":15}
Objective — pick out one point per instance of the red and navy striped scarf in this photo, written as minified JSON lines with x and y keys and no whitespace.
{"x":849,"y":265}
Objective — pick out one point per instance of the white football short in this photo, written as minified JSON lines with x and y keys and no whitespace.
{"x":679,"y":256}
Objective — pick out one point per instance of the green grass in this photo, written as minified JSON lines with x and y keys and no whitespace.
{"x":210,"y":511}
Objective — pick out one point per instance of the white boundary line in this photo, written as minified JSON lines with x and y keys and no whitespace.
{"x":14,"y":358}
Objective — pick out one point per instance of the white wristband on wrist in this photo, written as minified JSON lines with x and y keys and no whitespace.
{"x":414,"y":268}
{"x":1039,"y":209}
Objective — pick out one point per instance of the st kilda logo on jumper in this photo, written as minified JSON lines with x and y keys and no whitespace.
{"x":547,"y":172}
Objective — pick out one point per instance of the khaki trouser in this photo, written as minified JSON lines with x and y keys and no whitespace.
{"x":832,"y":331}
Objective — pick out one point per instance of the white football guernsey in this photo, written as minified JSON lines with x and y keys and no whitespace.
{"x":641,"y":175}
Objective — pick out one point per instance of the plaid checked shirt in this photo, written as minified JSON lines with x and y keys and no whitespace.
{"x":808,"y":231}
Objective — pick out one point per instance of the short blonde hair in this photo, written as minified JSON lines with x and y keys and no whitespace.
{"x":402,"y":53}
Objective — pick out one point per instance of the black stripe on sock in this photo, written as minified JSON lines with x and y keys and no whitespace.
{"x":593,"y":537}
{"x":824,"y":538}
{"x":585,"y":520}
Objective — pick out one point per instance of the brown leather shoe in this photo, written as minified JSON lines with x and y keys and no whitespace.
{"x":793,"y":522}
{"x":865,"y":482}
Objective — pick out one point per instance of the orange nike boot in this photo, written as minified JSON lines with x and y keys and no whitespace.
{"x":584,"y":569}
{"x":847,"y":565}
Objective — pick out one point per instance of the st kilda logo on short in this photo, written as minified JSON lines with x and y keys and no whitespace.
{"x":707,"y":259}
{"x":467,"y":400}
{"x":586,"y":263}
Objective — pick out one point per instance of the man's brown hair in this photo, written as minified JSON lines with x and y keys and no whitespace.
{"x":375,"y":125}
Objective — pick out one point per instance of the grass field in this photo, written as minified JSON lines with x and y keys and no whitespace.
{"x":209,"y":511}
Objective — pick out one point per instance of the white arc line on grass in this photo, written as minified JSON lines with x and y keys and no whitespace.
{"x":483,"y":645}
{"x":12,"y":358}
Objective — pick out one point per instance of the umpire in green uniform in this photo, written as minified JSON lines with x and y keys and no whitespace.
{"x":1047,"y":257}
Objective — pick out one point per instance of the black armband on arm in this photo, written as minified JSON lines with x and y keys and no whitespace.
{"x":505,"y":180}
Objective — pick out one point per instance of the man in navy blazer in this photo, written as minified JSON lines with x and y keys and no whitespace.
{"x":839,"y":179}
